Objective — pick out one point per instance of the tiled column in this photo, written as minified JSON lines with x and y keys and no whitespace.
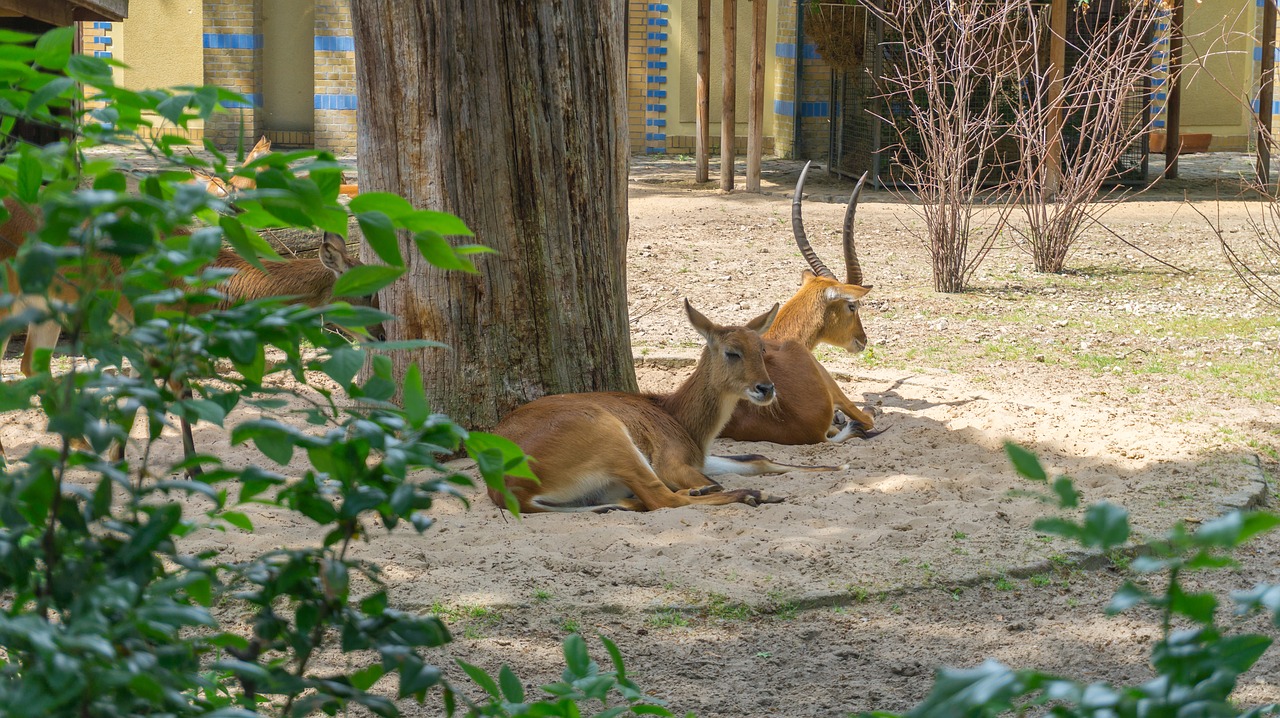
{"x":233,"y":60}
{"x":335,"y":78}
{"x":811,"y":109}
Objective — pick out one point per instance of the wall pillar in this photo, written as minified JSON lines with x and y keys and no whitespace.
{"x":335,"y":78}
{"x":233,"y":60}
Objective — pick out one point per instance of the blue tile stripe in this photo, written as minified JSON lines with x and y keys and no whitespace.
{"x":658,"y":7}
{"x":232,"y":41}
{"x":335,"y":102}
{"x":1275,"y":106}
{"x":1157,"y":123}
{"x":1257,"y":54}
{"x":655,"y":135}
{"x":787,"y":50}
{"x":658,"y":36}
{"x":656,"y":79}
{"x":102,"y":53}
{"x":656,"y":64}
{"x":102,"y":26}
{"x":335,"y":43}
{"x":655,"y":150}
{"x":656,"y":122}
{"x":255,"y":100}
{"x":655,"y":108}
{"x":99,"y":40}
{"x":655,"y":93}
{"x":656,"y":50}
{"x":787,"y":108}
{"x":659,"y":21}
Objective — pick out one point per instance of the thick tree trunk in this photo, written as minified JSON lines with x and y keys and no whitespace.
{"x":511,"y":115}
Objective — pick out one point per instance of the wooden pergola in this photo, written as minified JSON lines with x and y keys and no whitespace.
{"x":64,"y":12}
{"x":728,"y":120}
{"x":1057,"y":61}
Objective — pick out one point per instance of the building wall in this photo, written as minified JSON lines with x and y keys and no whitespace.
{"x":179,"y":60}
{"x":1222,"y":60}
{"x":813,"y":105}
{"x":662,"y":62}
{"x":335,"y":77}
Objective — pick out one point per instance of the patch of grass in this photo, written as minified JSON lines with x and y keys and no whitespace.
{"x":959,"y":536}
{"x":721,"y":608}
{"x":1040,"y":580}
{"x":1004,"y":584}
{"x":858,"y":594}
{"x":668,"y":619}
{"x":782,"y":607}
{"x":1120,"y":559}
{"x":542,"y":595}
{"x":570,"y":625}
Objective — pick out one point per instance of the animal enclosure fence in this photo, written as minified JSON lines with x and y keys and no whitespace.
{"x":872,"y":132}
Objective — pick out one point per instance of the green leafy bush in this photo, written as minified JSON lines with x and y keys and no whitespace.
{"x":1196,"y":662}
{"x":102,"y":612}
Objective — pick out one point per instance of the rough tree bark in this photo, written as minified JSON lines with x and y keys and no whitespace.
{"x":510,"y":115}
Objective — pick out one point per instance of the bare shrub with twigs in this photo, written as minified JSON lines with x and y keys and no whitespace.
{"x":947,"y":70}
{"x":1061,"y":177}
{"x":1254,"y":254}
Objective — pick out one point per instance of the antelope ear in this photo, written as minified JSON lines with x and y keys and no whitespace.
{"x":761,"y":324}
{"x":333,"y":254}
{"x":845,"y":292}
{"x":704,"y":326}
{"x":806,"y":275}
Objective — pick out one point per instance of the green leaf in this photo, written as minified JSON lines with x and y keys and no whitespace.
{"x":53,"y":49}
{"x":481,"y":679}
{"x":237,"y":519}
{"x":380,"y":233}
{"x":577,"y":662}
{"x":416,"y":408}
{"x":1105,"y":526}
{"x":365,"y":279}
{"x":343,"y":365}
{"x":436,"y":250}
{"x":29,"y":177}
{"x":512,"y":689}
{"x":1025,"y":463}
{"x":365,"y":678}
{"x":1128,"y":596}
{"x":427,"y":220}
{"x":1199,"y":607}
{"x":391,"y":205}
{"x":1068,"y":498}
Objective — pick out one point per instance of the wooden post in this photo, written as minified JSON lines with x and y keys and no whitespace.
{"x":703,"y":128}
{"x":1266,"y":92}
{"x":730,"y":94}
{"x":1173,"y":101}
{"x":1057,"y":66}
{"x":755,"y":120}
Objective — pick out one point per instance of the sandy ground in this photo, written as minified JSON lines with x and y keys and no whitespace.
{"x":1154,"y":389}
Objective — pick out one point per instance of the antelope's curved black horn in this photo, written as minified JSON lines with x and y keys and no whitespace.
{"x":797,"y":227}
{"x":851,"y":265}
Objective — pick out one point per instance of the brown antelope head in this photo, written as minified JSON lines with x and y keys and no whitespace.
{"x":734,"y":356}
{"x":825,"y":309}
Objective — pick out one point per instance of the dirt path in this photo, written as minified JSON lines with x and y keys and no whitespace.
{"x":1153,"y":389}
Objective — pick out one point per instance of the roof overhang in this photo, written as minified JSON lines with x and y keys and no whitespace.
{"x":65,"y":12}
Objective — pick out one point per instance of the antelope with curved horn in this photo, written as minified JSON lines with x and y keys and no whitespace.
{"x":824,"y":310}
{"x":606,"y":451}
{"x":309,"y":281}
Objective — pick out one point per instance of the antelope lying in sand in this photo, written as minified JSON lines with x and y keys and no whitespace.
{"x":607,"y":451}
{"x":215,"y":186}
{"x":309,"y":281}
{"x":823,"y":310}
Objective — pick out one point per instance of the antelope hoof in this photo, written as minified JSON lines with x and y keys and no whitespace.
{"x":704,"y":490}
{"x":755,"y":497}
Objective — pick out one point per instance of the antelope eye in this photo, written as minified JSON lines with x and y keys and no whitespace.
{"x":853,"y":306}
{"x":730,"y":354}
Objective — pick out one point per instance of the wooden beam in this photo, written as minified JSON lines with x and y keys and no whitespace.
{"x":755,"y":118}
{"x":703,"y":140}
{"x":1053,"y":98}
{"x":728,"y":121}
{"x":1173,"y":103}
{"x":54,"y":13}
{"x":1266,"y":91}
{"x":110,"y":10}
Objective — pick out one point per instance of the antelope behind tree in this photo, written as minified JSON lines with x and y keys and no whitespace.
{"x":607,"y":451}
{"x":811,"y":408}
{"x":309,"y":281}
